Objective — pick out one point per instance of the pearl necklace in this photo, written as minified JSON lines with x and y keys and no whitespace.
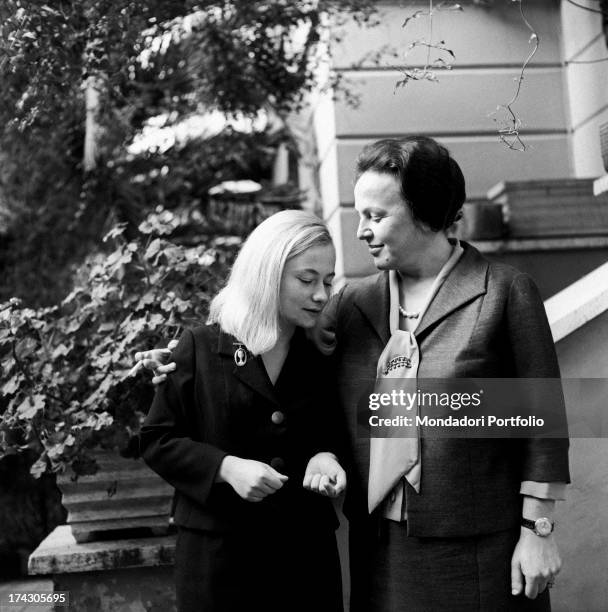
{"x":408,"y":314}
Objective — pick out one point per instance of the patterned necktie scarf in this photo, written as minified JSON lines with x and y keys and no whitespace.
{"x":392,"y":459}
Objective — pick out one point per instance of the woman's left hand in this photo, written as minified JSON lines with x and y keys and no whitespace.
{"x":324,"y":475}
{"x":535,"y":563}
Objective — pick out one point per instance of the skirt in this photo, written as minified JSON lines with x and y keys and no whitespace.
{"x":271,"y":570}
{"x":435,"y":574}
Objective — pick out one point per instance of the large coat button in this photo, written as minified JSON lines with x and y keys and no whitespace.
{"x":277,"y":463}
{"x":277,"y":417}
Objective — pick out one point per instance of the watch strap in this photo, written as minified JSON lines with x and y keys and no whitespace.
{"x":528,"y":523}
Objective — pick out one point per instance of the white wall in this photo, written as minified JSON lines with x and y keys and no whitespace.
{"x":586,"y":85}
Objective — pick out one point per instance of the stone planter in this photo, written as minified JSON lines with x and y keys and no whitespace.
{"x":551,"y":207}
{"x":604,"y":144}
{"x":124,"y":494}
{"x":269,"y":204}
{"x":238,"y":207}
{"x":232,"y":207}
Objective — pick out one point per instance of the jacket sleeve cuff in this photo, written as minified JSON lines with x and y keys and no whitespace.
{"x":544,"y":490}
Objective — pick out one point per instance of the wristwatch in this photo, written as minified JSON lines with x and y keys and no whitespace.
{"x":541,"y":526}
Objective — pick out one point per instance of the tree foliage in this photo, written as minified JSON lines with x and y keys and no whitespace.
{"x":146,"y":58}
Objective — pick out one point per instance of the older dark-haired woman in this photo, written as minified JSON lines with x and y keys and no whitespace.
{"x":441,"y":524}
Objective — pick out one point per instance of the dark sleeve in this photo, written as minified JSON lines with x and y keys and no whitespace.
{"x":330,"y":434}
{"x":166,"y":443}
{"x":545,"y":459}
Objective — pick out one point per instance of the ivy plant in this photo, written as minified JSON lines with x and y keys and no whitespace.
{"x":65,"y":367}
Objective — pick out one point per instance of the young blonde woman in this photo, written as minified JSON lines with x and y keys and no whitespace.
{"x":244,"y":419}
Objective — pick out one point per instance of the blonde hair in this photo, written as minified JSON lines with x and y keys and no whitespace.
{"x":248,"y":306}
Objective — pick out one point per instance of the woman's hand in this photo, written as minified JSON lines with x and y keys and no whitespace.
{"x":155,"y":360}
{"x":252,"y":480}
{"x":324,"y":475}
{"x":535,"y":563}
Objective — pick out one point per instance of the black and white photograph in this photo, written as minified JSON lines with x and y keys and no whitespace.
{"x":304,"y":306}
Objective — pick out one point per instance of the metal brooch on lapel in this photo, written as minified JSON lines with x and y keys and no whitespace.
{"x":240,"y":355}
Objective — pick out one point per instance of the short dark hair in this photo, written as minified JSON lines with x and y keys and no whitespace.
{"x":431,"y":181}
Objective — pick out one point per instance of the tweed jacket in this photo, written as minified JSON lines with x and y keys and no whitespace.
{"x":486,"y":321}
{"x":210,"y":407}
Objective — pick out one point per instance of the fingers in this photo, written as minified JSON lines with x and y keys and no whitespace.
{"x":330,"y":485}
{"x":172,"y":344}
{"x":517,"y":579}
{"x":160,"y":371}
{"x":325,"y":486}
{"x":156,"y":380}
{"x":136,"y":368}
{"x":264,"y":489}
{"x":532,"y":588}
{"x":155,"y":360}
{"x":269,"y":482}
{"x":307,"y":479}
{"x":159,"y":355}
{"x":340,"y":482}
{"x":165,"y":369}
{"x":274,"y":479}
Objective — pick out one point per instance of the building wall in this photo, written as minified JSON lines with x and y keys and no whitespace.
{"x":586,"y":85}
{"x":582,"y":522}
{"x":490,"y":43}
{"x":561,"y":106}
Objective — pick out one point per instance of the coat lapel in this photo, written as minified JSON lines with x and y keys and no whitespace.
{"x":373,"y":302}
{"x":252,"y":374}
{"x":465,"y":282}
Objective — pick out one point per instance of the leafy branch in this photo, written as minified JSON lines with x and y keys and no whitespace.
{"x":441,"y":62}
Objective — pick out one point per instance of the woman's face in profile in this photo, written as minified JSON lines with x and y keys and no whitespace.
{"x":386,"y":223}
{"x":306,"y":286}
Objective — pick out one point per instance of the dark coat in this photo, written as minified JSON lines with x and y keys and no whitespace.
{"x":486,"y":321}
{"x":232,"y":555}
{"x":210,"y":407}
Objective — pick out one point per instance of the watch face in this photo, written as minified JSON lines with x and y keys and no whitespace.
{"x":543,"y":526}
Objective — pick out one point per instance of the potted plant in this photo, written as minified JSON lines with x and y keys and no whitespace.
{"x":66,"y":397}
{"x":274,"y":198}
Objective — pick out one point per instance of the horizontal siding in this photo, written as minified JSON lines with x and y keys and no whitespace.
{"x":484,"y":161}
{"x":460,"y":103}
{"x":478,"y":35}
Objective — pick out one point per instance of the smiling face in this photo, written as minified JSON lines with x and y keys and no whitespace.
{"x":386,"y":223}
{"x":306,"y":286}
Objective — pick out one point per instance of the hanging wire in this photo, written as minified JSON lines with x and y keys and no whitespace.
{"x":510,"y":133}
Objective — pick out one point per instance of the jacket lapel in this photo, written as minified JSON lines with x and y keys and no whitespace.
{"x":252,"y":373}
{"x":373,"y":302}
{"x":465,"y":282}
